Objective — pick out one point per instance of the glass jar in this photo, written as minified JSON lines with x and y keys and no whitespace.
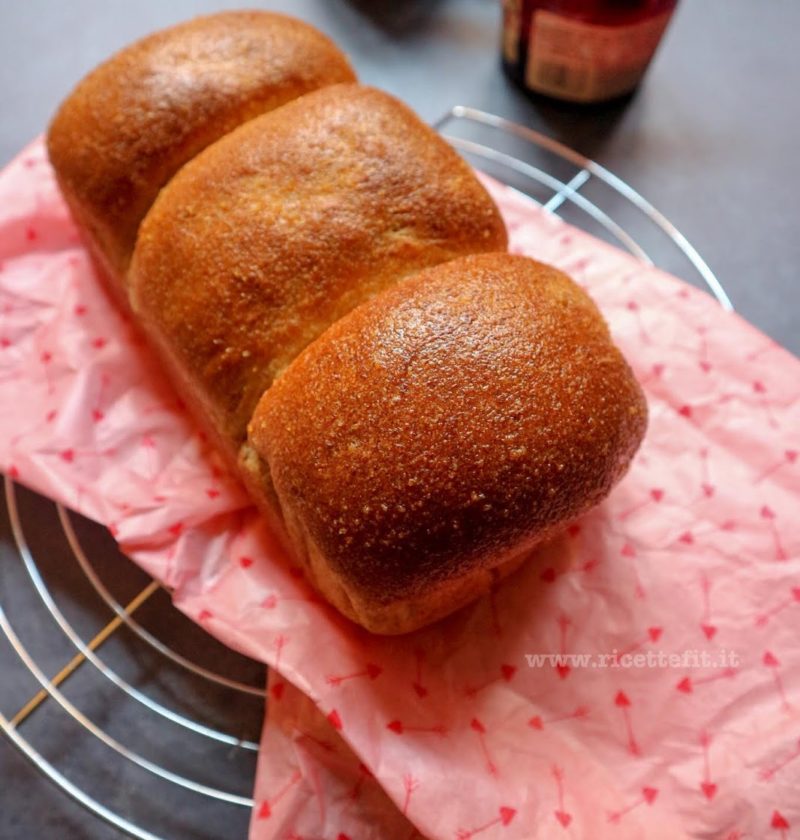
{"x":582,"y":50}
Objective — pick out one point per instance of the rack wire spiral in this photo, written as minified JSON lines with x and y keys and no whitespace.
{"x":194,"y":706}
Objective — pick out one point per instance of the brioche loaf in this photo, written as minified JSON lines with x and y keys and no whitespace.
{"x":411,"y":407}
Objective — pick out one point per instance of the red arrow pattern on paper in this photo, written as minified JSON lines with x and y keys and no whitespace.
{"x":709,"y":630}
{"x":633,"y":307}
{"x":477,"y":726}
{"x":267,"y":806}
{"x":690,"y":537}
{"x":371,"y":671}
{"x":537,"y":722}
{"x":564,"y":623}
{"x":769,"y":515}
{"x":702,"y":350}
{"x":790,"y":457}
{"x":279,"y":644}
{"x":653,"y":635}
{"x":622,"y":702}
{"x":504,"y":818}
{"x":768,"y":773}
{"x":506,"y":674}
{"x":771,"y":661}
{"x":708,"y":787}
{"x":271,"y":601}
{"x":400,"y":728}
{"x":629,"y":550}
{"x":420,"y":689}
{"x":706,"y":485}
{"x":763,"y":618}
{"x":687,"y":684}
{"x":98,"y":410}
{"x":655,"y":496}
{"x":648,"y":797}
{"x":561,"y":814}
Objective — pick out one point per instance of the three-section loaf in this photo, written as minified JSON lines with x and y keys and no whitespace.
{"x":325,"y":281}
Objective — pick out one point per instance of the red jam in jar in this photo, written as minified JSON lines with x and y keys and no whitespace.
{"x":582,"y":50}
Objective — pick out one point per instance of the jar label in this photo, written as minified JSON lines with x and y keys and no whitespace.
{"x":585,"y":62}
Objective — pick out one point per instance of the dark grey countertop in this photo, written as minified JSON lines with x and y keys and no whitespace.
{"x":710,"y":139}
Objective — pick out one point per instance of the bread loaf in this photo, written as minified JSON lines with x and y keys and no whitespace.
{"x":412,"y":408}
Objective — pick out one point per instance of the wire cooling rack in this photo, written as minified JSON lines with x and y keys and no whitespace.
{"x":118,"y":699}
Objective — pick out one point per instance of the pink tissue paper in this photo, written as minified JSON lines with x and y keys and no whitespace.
{"x":673,"y":707}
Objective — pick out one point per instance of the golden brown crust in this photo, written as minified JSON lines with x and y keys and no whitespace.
{"x":138,"y":117}
{"x":401,"y":616}
{"x":446,"y":426}
{"x":284,"y":225}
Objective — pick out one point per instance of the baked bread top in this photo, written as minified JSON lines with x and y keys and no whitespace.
{"x":448,"y":424}
{"x":137,"y":118}
{"x":287,"y":223}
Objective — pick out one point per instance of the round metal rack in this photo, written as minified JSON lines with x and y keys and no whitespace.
{"x":121,"y":701}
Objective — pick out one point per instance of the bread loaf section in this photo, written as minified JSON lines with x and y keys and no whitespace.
{"x":277,"y":230}
{"x":412,"y":408}
{"x":430,"y":439}
{"x":137,"y":118}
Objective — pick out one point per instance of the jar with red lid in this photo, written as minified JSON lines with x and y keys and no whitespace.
{"x":582,"y":50}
